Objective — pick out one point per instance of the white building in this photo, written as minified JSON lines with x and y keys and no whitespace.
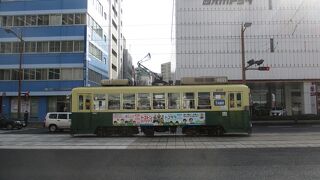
{"x":116,"y":44}
{"x":166,"y":71}
{"x":284,"y":33}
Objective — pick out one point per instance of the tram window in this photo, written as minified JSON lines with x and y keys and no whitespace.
{"x":204,"y":100}
{"x":238,"y":99}
{"x":188,"y":100}
{"x":144,"y":101}
{"x":129,"y":101}
{"x":80,"y":102}
{"x":159,"y":101}
{"x":99,"y":102}
{"x":174,"y":100}
{"x":114,"y":101}
{"x":231,"y":99}
{"x":88,"y":103}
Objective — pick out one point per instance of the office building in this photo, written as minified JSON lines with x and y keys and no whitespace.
{"x":285,"y":34}
{"x":66,"y":44}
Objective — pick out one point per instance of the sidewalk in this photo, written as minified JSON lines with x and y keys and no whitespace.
{"x":285,"y":122}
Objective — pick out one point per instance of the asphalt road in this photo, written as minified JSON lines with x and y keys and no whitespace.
{"x":224,"y":164}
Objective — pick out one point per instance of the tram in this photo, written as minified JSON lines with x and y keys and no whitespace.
{"x":128,"y":110}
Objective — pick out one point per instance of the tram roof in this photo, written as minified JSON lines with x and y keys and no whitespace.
{"x":222,"y":87}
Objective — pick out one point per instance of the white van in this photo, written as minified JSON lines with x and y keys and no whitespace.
{"x":58,"y":120}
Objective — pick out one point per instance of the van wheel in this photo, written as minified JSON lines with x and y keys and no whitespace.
{"x":52,"y":128}
{"x":9,"y":126}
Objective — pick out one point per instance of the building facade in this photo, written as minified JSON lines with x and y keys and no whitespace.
{"x":128,"y":68}
{"x":67,"y":44}
{"x":166,"y":72}
{"x":285,"y":34}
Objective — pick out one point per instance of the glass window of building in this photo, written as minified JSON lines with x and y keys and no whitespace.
{"x":31,"y":20}
{"x":55,"y":19}
{"x":43,"y":20}
{"x":19,"y":20}
{"x":54,"y":74}
{"x":144,"y":101}
{"x":67,"y":46}
{"x":204,"y":100}
{"x":78,"y":74}
{"x":99,"y":102}
{"x":41,"y":74}
{"x":188,"y":100}
{"x":15,"y":74}
{"x":174,"y":100}
{"x":78,"y":46}
{"x":30,"y":47}
{"x":114,"y":101}
{"x":7,"y":20}
{"x":7,"y":47}
{"x":159,"y":101}
{"x":54,"y":46}
{"x":67,"y":19}
{"x":43,"y":47}
{"x":15,"y":47}
{"x":129,"y":101}
{"x":4,"y":74}
{"x":29,"y":74}
{"x":80,"y":19}
{"x":66,"y":74}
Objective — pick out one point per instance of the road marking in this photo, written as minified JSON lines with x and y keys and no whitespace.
{"x":280,"y":126}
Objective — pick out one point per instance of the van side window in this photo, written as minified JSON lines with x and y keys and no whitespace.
{"x":53,"y":116}
{"x":62,"y":116}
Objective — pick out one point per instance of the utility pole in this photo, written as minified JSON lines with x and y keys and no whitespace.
{"x":20,"y":67}
{"x":243,"y":66}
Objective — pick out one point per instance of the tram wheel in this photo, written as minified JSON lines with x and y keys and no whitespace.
{"x":99,"y":132}
{"x":149,"y":132}
{"x":219,"y":131}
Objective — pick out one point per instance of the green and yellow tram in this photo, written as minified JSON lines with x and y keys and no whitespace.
{"x":128,"y":110}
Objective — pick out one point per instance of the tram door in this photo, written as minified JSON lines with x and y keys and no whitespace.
{"x":85,"y":109}
{"x":235,"y":110}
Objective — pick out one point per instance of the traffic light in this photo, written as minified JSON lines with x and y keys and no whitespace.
{"x":264,"y":68}
{"x":259,"y":62}
{"x":26,"y":95}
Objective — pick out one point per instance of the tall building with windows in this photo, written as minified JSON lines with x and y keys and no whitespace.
{"x":66,"y":44}
{"x":166,"y":71}
{"x":285,"y":34}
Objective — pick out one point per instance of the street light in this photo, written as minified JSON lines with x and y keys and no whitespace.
{"x":20,"y":66}
{"x":243,"y":28}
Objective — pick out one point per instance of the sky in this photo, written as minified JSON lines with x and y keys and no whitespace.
{"x":147,"y":27}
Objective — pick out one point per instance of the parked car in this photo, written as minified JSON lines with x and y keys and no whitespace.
{"x":278,"y":111}
{"x":57,"y":121}
{"x":10,"y":123}
{"x":261,"y":111}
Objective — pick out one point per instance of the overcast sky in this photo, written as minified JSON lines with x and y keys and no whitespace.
{"x":147,"y":28}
